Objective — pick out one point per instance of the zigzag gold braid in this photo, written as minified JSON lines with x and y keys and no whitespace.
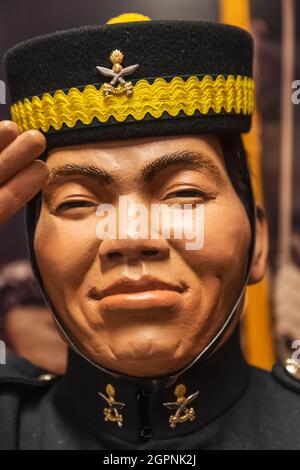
{"x":229,"y":95}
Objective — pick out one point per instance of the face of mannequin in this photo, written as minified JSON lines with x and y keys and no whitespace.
{"x":138,"y":306}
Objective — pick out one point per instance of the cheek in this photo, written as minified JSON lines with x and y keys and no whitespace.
{"x":65,"y":249}
{"x":226,"y":242}
{"x":227,"y":236}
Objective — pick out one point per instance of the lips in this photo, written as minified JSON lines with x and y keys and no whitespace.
{"x":129,"y":286}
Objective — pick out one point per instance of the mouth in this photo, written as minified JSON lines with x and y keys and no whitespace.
{"x":146,"y":294}
{"x":127,"y":286}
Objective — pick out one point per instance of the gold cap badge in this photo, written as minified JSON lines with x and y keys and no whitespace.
{"x":117,"y":86}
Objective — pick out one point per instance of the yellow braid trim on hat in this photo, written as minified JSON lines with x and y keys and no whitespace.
{"x":220,"y":95}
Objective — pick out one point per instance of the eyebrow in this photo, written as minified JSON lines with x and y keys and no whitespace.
{"x":61,"y":173}
{"x":187,"y":159}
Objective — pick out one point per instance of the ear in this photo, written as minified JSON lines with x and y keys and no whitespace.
{"x":261,"y":248}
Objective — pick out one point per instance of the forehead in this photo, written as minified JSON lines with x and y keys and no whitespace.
{"x":132,"y":154}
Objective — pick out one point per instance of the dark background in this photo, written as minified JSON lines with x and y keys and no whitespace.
{"x":24,"y":19}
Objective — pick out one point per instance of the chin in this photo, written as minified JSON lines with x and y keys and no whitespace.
{"x":147,"y":359}
{"x":146,"y":369}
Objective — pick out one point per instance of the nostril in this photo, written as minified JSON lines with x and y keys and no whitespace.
{"x":114,"y":255}
{"x":150,"y":253}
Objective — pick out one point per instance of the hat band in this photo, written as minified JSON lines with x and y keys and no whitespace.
{"x":220,"y":95}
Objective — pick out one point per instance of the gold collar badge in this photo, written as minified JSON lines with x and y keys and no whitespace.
{"x":111,"y":412}
{"x":183,"y":413}
{"x":117,"y":86}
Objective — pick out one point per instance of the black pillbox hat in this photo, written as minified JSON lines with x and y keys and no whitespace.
{"x":137,"y":78}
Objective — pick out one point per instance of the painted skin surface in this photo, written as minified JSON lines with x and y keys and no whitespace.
{"x":143,"y":307}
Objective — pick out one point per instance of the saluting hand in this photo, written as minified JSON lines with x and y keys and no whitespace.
{"x":21,"y":176}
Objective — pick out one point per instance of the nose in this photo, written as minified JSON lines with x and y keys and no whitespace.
{"x":130,"y":250}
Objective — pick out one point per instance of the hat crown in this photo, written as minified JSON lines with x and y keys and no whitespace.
{"x":177,"y":77}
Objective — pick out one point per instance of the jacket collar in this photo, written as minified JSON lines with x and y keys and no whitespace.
{"x":138,"y":410}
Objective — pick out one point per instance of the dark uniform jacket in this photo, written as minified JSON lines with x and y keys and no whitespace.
{"x":237,"y":407}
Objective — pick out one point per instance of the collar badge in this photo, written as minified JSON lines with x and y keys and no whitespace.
{"x":111,"y":412}
{"x":183,"y":413}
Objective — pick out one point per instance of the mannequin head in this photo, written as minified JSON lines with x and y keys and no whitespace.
{"x":144,"y":306}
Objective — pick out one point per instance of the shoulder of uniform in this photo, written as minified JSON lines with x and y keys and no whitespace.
{"x":288,"y":375}
{"x":19,"y":371}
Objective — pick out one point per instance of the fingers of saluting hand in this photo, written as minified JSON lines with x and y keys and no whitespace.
{"x":9,"y":131}
{"x":22,"y":187}
{"x":19,"y":151}
{"x":21,"y":176}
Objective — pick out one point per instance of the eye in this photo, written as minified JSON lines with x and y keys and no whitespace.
{"x":186,"y":193}
{"x":74,"y":204}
